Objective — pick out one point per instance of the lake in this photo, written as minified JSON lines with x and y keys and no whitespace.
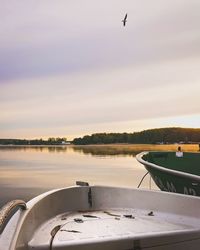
{"x":28,"y":171}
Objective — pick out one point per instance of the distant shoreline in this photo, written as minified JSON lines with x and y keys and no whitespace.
{"x":159,"y":136}
{"x":102,"y":145}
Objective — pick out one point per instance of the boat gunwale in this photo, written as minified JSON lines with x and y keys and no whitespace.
{"x":33,"y":202}
{"x":163,"y":169}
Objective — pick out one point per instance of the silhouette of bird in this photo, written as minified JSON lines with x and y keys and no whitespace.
{"x":125,"y":19}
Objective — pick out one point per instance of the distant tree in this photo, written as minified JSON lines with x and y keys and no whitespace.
{"x":151,"y":136}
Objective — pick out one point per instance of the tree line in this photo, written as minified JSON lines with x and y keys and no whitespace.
{"x":151,"y":136}
{"x":49,"y":141}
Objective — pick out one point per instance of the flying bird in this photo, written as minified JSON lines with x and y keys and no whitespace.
{"x":125,"y":19}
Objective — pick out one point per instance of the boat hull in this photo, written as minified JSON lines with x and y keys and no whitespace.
{"x":171,"y":180}
{"x":110,"y":218}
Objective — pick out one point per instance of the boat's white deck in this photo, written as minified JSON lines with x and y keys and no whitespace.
{"x":107,"y":225}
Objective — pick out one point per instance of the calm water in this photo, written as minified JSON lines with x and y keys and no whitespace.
{"x":28,"y":171}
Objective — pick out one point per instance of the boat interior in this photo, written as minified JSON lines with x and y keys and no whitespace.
{"x":188,"y":163}
{"x":96,"y":217}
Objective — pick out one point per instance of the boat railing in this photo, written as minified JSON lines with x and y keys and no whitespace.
{"x":8,"y":210}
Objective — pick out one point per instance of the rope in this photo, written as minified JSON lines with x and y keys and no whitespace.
{"x":150,"y":182}
{"x":142,"y":179}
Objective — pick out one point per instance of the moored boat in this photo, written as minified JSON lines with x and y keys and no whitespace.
{"x":99,"y":217}
{"x":173,"y":172}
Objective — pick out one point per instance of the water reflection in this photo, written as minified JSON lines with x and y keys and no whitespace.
{"x":35,"y":148}
{"x":28,"y":171}
{"x":102,"y":150}
{"x":105,"y":151}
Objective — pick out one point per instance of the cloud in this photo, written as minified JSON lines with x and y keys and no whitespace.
{"x":72,"y":64}
{"x":129,"y":94}
{"x":51,"y":38}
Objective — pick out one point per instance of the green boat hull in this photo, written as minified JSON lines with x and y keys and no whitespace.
{"x":173,"y":174}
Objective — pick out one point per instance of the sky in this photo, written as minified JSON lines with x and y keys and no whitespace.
{"x":70,"y":68}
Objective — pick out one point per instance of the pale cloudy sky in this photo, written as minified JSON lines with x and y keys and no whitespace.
{"x":69,"y":68}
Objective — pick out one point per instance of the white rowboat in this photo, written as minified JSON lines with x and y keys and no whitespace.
{"x":99,"y":217}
